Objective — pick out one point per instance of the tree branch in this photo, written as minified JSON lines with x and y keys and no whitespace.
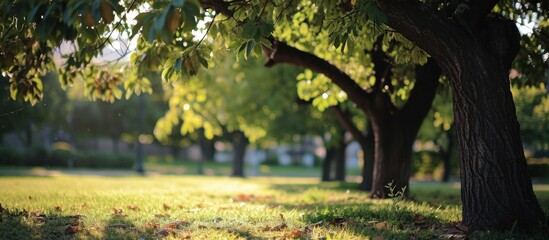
{"x":282,"y":53}
{"x":344,"y":119}
{"x":422,"y":95}
{"x":432,"y":32}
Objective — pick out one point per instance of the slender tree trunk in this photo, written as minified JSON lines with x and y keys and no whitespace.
{"x":327,"y":164}
{"x":340,"y":157}
{"x":239,"y":150}
{"x":447,"y":155}
{"x":368,"y":151}
{"x":207,"y":146}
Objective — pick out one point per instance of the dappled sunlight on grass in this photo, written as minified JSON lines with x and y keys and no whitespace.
{"x":217,"y":207}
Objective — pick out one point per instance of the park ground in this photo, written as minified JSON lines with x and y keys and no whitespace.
{"x":121,"y":205}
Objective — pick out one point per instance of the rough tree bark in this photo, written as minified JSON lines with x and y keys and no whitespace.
{"x":240,"y":142}
{"x":475,"y":52}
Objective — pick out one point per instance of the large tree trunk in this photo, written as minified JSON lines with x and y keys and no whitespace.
{"x":476,"y":53}
{"x":496,"y":188}
{"x":239,"y":150}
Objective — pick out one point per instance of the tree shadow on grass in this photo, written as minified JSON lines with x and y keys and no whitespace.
{"x":119,"y":227}
{"x":372,"y":220}
{"x":22,"y":224}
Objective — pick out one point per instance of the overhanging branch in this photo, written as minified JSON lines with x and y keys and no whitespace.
{"x":282,"y":53}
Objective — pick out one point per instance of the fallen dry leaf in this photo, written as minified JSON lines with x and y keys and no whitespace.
{"x":118,"y":212}
{"x":165,"y":232}
{"x":275,"y":228}
{"x":243,"y":198}
{"x":73,"y":229}
{"x":165,"y":206}
{"x":133,"y":207}
{"x":296,"y":233}
{"x":419,"y":219}
{"x":154,"y":225}
{"x":75,"y":226}
{"x":179,"y":224}
{"x":381,"y":225}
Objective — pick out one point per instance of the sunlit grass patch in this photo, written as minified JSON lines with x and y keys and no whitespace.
{"x":172,"y":207}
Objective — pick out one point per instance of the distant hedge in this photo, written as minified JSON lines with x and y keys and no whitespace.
{"x":40,"y":157}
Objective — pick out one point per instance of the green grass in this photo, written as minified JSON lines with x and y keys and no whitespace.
{"x":193,"y":207}
{"x":224,"y":169}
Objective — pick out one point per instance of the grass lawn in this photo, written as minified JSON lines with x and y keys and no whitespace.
{"x":196,"y":207}
{"x":225,"y":169}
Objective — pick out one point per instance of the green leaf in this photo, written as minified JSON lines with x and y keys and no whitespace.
{"x":167,"y":74}
{"x":178,"y":64}
{"x":202,"y":61}
{"x":13,"y":91}
{"x":160,"y":20}
{"x":117,"y":93}
{"x":170,"y":62}
{"x":249,"y":29}
{"x":249,"y":48}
